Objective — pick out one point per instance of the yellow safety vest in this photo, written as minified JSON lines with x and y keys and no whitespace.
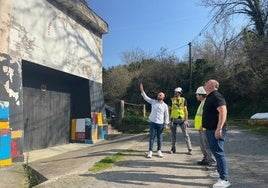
{"x":198,"y":116}
{"x":177,"y":108}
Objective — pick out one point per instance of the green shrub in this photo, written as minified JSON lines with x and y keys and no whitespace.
{"x":133,"y":124}
{"x":130,"y":111}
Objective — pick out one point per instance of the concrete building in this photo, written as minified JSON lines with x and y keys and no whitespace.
{"x":50,"y":70}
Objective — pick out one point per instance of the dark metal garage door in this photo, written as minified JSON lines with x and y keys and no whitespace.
{"x":46,"y":118}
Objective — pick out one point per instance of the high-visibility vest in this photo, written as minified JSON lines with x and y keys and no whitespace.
{"x":177,"y":108}
{"x":198,"y":116}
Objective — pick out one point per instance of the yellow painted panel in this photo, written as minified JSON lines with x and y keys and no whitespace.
{"x":73,"y":129}
{"x":16,"y":134}
{"x":99,"y":121}
{"x":4,"y":125}
{"x":6,"y":162}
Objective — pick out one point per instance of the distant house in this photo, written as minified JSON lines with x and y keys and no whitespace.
{"x":50,"y":70}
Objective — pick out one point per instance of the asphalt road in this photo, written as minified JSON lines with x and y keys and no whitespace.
{"x":247,"y":155}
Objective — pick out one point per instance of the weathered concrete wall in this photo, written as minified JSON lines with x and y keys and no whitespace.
{"x":43,"y":34}
{"x":39,"y":32}
{"x":4,"y":25}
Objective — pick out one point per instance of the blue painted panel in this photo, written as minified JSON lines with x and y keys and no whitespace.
{"x":5,"y":139}
{"x":89,"y":142}
{"x":5,"y":151}
{"x":4,"y":110}
{"x":104,"y":134}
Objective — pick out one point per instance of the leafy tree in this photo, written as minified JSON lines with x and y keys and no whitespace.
{"x":256,"y":50}
{"x":202,"y":72}
{"x":115,"y":83}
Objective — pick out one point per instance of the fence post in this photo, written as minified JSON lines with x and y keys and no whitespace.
{"x":119,"y":113}
{"x":143,"y":110}
{"x":122,"y":107}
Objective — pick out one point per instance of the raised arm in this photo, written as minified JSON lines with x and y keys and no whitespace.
{"x":143,"y":94}
{"x":141,"y":88}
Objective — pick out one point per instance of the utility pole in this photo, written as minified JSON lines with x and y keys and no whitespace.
{"x":190,"y":66}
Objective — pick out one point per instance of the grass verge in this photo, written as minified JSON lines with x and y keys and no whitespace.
{"x":256,"y":128}
{"x":108,"y":162}
{"x":34,"y":178}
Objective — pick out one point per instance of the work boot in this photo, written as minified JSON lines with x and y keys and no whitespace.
{"x":173,"y":150}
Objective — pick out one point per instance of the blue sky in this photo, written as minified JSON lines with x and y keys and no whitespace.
{"x":149,"y":25}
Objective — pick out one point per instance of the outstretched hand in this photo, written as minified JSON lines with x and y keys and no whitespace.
{"x":141,"y":87}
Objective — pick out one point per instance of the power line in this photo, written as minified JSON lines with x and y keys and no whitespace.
{"x":180,"y":47}
{"x":214,"y":18}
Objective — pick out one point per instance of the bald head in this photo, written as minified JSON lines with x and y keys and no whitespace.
{"x":160,"y":96}
{"x":211,"y":86}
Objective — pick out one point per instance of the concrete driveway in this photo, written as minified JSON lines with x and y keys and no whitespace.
{"x":247,"y":155}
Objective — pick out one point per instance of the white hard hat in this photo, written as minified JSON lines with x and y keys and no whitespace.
{"x":178,"y":89}
{"x":201,"y":90}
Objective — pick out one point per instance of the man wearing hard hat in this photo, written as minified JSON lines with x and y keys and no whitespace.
{"x":179,"y":117}
{"x":207,"y":155}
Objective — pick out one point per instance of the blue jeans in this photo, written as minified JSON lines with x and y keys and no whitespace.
{"x":155,"y":130}
{"x":217,"y":148}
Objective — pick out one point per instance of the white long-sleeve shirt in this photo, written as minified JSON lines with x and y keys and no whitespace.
{"x":159,"y":110}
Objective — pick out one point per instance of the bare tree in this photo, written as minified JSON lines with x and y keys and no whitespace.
{"x":255,"y":10}
{"x":221,"y":48}
{"x":165,"y":56}
{"x":135,"y":55}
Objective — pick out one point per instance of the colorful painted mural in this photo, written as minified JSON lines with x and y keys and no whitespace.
{"x":88,"y":130}
{"x":5,"y":135}
{"x":8,"y":138}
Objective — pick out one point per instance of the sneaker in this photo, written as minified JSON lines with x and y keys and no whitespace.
{"x":221,"y":184}
{"x":173,"y":150}
{"x":214,"y":174}
{"x":159,"y":152}
{"x":149,"y":154}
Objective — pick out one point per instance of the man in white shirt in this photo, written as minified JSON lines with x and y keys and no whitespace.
{"x":159,"y":119}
